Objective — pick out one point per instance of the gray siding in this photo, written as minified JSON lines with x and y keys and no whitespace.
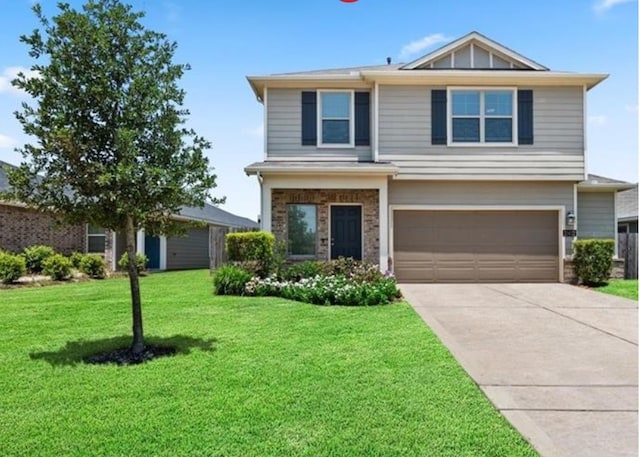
{"x":596,"y":217}
{"x":284,"y":131}
{"x":557,"y":152}
{"x":481,"y":193}
{"x":190,"y":251}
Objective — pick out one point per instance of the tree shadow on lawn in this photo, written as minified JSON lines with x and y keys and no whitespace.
{"x":86,"y":351}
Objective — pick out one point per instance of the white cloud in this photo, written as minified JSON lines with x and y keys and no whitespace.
{"x":257,"y":131}
{"x":7,"y":142}
{"x":423,"y":43}
{"x":602,"y":6}
{"x":631,"y":108}
{"x":598,"y":119}
{"x":10,"y":73}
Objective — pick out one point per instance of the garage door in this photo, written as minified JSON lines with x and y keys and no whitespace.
{"x":475,"y":246}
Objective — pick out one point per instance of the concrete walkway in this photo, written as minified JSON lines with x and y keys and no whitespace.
{"x":558,"y":361}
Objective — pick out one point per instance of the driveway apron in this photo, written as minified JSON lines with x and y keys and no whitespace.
{"x":558,"y":361}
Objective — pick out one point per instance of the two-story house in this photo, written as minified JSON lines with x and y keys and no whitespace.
{"x":467,"y":164}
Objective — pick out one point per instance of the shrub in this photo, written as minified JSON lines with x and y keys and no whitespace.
{"x":93,"y":265}
{"x":353,"y":269}
{"x":35,"y":256}
{"x":141,"y":262}
{"x":57,"y":266}
{"x":76,"y":259}
{"x":302,"y":270}
{"x":327,"y":290}
{"x":593,"y":260}
{"x":252,"y":246}
{"x":12,"y":267}
{"x":230,"y":280}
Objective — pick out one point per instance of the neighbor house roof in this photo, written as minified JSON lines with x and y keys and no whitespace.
{"x":209,"y":213}
{"x":627,"y":204}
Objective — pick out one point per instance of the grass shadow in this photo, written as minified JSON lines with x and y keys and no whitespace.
{"x":74,"y":352}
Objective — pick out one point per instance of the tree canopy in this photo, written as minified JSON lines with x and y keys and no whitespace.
{"x":112,"y":147}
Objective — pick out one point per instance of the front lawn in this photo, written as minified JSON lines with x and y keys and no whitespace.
{"x":627,"y":288}
{"x":254,"y":377}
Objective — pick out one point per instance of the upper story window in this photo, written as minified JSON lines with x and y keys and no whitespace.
{"x":482,"y":116}
{"x":335,"y":118}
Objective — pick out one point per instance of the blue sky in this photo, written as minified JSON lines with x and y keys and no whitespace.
{"x":224,"y":41}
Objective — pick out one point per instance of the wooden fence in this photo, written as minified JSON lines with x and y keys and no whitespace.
{"x":628,"y":250}
{"x":217,"y":255}
{"x":217,"y":252}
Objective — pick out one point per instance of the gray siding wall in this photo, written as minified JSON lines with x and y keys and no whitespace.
{"x":596,"y":215}
{"x":284,"y":131}
{"x":481,"y":193}
{"x":557,"y":152}
{"x":190,"y":251}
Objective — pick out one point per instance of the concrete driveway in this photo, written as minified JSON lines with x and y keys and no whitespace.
{"x":559,"y":362}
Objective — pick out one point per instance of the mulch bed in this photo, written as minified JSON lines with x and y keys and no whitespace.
{"x":124,"y":356}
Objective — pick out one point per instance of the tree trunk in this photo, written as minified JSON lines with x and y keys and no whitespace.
{"x":137,"y":346}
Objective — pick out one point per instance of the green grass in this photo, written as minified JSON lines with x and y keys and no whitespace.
{"x":254,"y":377}
{"x":627,"y":288}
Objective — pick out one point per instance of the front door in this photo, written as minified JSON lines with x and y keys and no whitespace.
{"x":152,"y":251}
{"x":346,"y":232}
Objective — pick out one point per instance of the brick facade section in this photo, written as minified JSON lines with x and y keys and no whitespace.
{"x":23,"y":227}
{"x":322,"y":198}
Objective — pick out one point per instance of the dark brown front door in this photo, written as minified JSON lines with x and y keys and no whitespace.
{"x":346,"y":231}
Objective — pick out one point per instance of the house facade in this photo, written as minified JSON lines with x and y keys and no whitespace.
{"x":468,"y":164}
{"x":21,"y":226}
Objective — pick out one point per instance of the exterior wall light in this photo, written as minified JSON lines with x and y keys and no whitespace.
{"x":571,"y":218}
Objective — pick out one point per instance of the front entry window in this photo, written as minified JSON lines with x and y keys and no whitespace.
{"x":301,"y":230}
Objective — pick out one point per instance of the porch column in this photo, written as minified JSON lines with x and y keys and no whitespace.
{"x":265,"y":206}
{"x":383,"y":209}
{"x":140,"y":242}
{"x":163,"y":252}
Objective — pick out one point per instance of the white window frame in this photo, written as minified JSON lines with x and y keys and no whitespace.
{"x":93,"y":235}
{"x":352,"y":126}
{"x":482,"y":116}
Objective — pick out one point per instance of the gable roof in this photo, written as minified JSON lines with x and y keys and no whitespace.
{"x":209,"y":213}
{"x":627,"y":204}
{"x":474,"y":37}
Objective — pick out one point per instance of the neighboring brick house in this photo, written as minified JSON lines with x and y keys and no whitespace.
{"x":21,"y":227}
{"x":467,"y":164}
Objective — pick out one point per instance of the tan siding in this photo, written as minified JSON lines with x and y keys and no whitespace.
{"x":190,"y":251}
{"x":558,"y":149}
{"x":284,"y":131}
{"x":596,"y":217}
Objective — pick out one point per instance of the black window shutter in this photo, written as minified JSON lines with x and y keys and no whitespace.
{"x":525,"y":117}
{"x":309,"y":119}
{"x":438,"y":117}
{"x":363,"y":119}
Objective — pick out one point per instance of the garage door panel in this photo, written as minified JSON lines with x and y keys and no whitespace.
{"x":476,"y":246}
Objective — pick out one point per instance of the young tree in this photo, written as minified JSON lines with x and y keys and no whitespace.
{"x":112,"y":148}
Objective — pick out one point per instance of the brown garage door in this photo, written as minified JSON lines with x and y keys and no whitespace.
{"x":475,"y":246}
